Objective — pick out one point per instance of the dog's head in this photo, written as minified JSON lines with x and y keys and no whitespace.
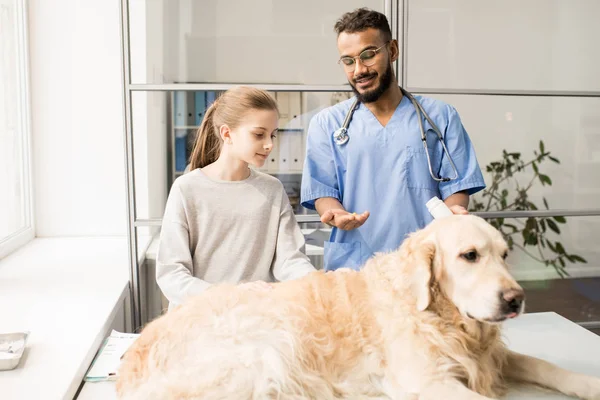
{"x":466,"y":257}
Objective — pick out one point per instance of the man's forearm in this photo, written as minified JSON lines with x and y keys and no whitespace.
{"x":458,"y":199}
{"x":327,"y":203}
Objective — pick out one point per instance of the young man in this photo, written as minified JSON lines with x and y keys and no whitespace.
{"x":372,"y":188}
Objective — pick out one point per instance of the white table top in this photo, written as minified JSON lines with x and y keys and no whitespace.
{"x":65,"y":292}
{"x":544,"y":335}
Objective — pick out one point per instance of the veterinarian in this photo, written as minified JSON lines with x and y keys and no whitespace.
{"x":223,"y":221}
{"x":371,"y":180}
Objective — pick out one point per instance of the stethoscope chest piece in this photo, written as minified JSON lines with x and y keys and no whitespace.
{"x":340,"y":136}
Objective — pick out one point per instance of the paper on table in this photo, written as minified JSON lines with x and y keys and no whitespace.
{"x":108,"y":359}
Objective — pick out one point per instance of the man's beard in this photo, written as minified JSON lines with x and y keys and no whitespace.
{"x":374,"y":95}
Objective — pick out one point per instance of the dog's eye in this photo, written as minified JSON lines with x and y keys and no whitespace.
{"x":470,"y":256}
{"x":505,"y":255}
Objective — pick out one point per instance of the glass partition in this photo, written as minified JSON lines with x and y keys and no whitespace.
{"x":575,"y":297}
{"x":536,"y":152}
{"x":263,"y":41}
{"x":165,"y":124}
{"x":503,"y":45}
{"x":555,"y":139}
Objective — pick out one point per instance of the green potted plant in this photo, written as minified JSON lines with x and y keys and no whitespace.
{"x":506,"y":192}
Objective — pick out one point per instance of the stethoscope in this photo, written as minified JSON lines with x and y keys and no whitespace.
{"x":340,"y":136}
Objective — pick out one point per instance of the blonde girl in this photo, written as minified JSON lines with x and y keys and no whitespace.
{"x":225,"y":222}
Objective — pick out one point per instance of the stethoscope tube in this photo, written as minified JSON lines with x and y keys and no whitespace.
{"x":341,"y":137}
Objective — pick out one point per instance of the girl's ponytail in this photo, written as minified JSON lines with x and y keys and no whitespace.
{"x":208,"y":142}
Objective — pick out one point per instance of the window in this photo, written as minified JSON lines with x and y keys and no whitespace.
{"x":16,"y":225}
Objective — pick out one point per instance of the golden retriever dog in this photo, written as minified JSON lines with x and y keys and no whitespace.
{"x":422,"y":322}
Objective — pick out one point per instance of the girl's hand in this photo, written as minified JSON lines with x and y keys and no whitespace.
{"x":460,"y":210}
{"x":344,"y":220}
{"x":257,"y":286}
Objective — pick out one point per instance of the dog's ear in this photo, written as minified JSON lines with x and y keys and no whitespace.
{"x":420,"y":251}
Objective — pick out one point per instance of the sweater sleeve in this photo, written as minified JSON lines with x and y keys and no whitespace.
{"x":290,"y":262}
{"x":174,"y":267}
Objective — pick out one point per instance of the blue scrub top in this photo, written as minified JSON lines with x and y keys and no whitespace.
{"x":384,"y":170}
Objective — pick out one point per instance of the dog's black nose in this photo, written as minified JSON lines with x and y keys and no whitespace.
{"x":513,"y":299}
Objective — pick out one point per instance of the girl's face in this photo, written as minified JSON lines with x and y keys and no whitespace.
{"x":252,"y":140}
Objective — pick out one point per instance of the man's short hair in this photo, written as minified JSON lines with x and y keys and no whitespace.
{"x":362,"y":19}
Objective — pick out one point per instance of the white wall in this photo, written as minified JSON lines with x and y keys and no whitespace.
{"x":77,"y":118}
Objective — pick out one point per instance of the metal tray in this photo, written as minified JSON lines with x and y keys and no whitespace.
{"x":12,"y":346}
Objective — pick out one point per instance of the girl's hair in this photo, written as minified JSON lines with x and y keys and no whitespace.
{"x":229,"y":109}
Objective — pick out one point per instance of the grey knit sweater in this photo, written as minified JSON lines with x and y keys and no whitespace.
{"x":227,"y":231}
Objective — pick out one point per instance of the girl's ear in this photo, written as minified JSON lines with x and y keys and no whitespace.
{"x":225,"y":134}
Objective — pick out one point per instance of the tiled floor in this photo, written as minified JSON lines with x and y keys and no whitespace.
{"x":575,"y":299}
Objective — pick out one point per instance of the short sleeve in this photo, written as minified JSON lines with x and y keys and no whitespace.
{"x":462,"y":152}
{"x":319,"y":178}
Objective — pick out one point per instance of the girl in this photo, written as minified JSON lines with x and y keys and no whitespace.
{"x":223,"y":221}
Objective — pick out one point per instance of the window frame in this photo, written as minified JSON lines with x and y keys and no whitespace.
{"x":19,"y":238}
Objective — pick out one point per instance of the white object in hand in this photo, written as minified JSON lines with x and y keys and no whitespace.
{"x":438,"y":208}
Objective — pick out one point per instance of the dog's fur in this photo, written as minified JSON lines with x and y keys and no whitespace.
{"x":418,"y":323}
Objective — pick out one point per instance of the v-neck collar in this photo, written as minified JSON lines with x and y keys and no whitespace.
{"x":402,"y":103}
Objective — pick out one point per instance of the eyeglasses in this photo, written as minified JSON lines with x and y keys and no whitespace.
{"x":367,"y":58}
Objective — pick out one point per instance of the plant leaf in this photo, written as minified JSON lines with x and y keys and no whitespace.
{"x":542,"y":223}
{"x":577,"y":258}
{"x":530,"y":224}
{"x":552,"y":225}
{"x":545,"y":179}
